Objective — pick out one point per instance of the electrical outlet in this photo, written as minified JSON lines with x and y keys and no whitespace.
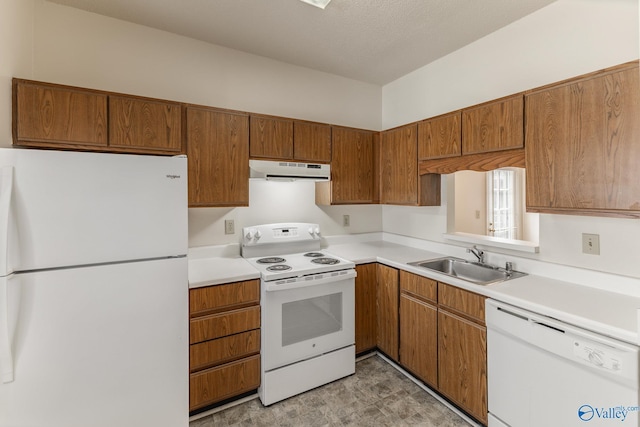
{"x":229,"y":226}
{"x":346,"y":221}
{"x":477,"y":214}
{"x":591,"y":244}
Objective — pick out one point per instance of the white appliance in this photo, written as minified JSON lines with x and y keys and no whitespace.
{"x":289,"y":171}
{"x":93,"y":290}
{"x":307,"y":309}
{"x":543,"y":372}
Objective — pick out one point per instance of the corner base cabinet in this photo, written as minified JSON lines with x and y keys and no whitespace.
{"x":224,"y":337}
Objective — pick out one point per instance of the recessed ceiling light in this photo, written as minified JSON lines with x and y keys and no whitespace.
{"x":317,"y":3}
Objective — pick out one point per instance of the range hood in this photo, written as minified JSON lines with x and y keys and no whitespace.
{"x":289,"y":171}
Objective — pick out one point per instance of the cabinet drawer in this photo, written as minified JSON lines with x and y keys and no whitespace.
{"x":216,"y":384}
{"x":212,"y":299}
{"x":418,"y":286}
{"x":223,"y":324}
{"x":461,"y":301}
{"x":223,"y":350}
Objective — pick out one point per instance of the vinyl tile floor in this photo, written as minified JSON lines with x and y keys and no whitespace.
{"x":377,"y":395}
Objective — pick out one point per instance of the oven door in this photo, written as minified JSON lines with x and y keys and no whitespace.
{"x":304,"y":322}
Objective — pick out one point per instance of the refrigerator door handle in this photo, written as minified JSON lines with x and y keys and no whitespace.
{"x":6,"y":192}
{"x":6,"y":352}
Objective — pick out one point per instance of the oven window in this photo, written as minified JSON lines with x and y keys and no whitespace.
{"x":311,"y":318}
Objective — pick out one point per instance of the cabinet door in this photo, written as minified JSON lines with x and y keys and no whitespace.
{"x":352,"y":166}
{"x":145,"y":125}
{"x":582,"y":151}
{"x":387,"y":313}
{"x":399,"y":166}
{"x":494,"y":126}
{"x":218,"y":157}
{"x":419,"y":338}
{"x":462,"y":363}
{"x":57,"y":116}
{"x":311,"y":142}
{"x":440,"y":137}
{"x":366,"y":307}
{"x":271,"y":138}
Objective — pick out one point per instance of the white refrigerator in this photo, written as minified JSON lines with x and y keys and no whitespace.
{"x":93,"y":290}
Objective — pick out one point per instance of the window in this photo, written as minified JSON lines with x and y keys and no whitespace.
{"x":488,"y":208}
{"x":503,"y":214}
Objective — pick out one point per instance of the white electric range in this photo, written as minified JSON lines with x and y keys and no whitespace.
{"x":307,"y":309}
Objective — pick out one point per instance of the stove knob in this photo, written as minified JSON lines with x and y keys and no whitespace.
{"x":317,"y":231}
{"x":311,"y":231}
{"x":250,"y":233}
{"x":258,"y":234}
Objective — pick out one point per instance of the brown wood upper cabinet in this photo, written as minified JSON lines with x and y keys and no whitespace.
{"x":278,"y":138}
{"x":493,"y":126}
{"x":399,"y":166}
{"x":400,"y":183}
{"x":48,"y":115}
{"x":218,"y":157}
{"x":440,"y":137}
{"x":311,"y":142}
{"x":582,"y":145}
{"x":271,"y":137}
{"x":353,"y":168}
{"x":138,"y":123}
{"x":65,"y":117}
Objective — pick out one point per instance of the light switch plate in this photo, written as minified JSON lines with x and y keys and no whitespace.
{"x":591,"y":244}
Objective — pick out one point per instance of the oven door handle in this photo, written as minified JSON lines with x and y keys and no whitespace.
{"x":311,"y":280}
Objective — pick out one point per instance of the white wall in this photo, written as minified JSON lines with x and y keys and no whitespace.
{"x":16,"y":41}
{"x":470,"y":197}
{"x":88,"y":50}
{"x":271,"y":202}
{"x":562,"y":40}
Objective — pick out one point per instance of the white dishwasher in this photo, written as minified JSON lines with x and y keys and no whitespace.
{"x":543,"y":372}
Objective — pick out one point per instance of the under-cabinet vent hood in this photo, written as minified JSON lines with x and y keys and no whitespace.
{"x":289,"y":171}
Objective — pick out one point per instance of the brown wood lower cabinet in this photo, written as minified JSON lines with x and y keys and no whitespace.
{"x":462,"y":363}
{"x":222,"y":382}
{"x":224,"y":333}
{"x":387,"y":310}
{"x":419,"y":338}
{"x":365,"y":307}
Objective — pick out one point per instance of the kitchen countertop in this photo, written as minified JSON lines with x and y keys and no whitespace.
{"x":609,"y":313}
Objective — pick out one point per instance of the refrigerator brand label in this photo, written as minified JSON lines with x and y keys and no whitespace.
{"x":173,"y":176}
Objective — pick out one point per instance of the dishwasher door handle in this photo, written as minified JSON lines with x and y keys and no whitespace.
{"x":511,"y":313}
{"x":536,"y":323}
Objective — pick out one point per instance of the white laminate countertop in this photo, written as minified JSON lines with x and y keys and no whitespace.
{"x":608,"y":313}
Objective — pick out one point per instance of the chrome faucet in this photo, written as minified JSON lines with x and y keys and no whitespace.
{"x":477,"y":252}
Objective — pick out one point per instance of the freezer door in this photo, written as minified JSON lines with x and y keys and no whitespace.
{"x":77,"y":208}
{"x":99,"y":346}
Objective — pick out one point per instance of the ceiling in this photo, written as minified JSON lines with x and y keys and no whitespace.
{"x":374,"y":41}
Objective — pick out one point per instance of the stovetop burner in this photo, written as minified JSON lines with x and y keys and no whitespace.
{"x":314,"y":254}
{"x":279,"y":267}
{"x":271,"y":260}
{"x":325,"y":260}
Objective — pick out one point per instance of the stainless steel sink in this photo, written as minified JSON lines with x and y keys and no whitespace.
{"x":480,"y":274}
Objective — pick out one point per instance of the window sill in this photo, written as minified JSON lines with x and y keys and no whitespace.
{"x":496,"y":242}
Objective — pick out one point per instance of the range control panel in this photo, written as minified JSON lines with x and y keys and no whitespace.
{"x":280,"y":233}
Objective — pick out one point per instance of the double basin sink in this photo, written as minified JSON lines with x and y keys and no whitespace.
{"x":479,"y":274}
